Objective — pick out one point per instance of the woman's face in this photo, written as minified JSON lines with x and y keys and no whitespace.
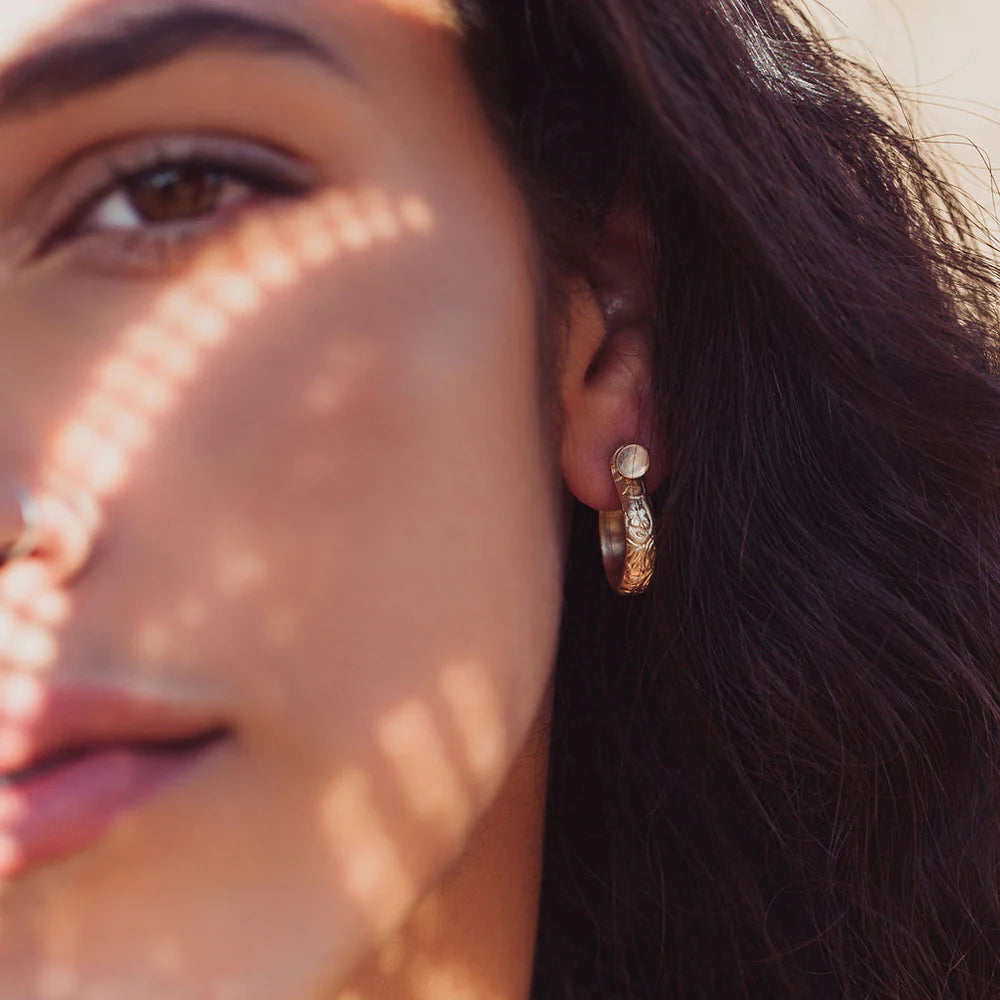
{"x":269,"y":301}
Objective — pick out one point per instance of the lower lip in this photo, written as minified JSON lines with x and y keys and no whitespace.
{"x":70,"y":807}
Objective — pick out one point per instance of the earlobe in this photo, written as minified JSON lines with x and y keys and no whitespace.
{"x":606,"y":374}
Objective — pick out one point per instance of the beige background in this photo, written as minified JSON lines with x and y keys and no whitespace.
{"x":946,"y":54}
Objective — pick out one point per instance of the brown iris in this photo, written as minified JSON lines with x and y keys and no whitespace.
{"x":175,"y":194}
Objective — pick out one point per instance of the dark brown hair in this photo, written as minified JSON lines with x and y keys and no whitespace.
{"x":776,"y":775}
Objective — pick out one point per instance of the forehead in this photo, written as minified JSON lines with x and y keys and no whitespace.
{"x":26,"y":26}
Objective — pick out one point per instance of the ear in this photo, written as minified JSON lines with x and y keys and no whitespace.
{"x":605,"y":375}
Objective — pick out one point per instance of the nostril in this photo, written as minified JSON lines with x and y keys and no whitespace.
{"x":20,"y":523}
{"x":51,"y":527}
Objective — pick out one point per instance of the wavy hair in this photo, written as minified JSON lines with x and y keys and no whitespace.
{"x":777,"y":775}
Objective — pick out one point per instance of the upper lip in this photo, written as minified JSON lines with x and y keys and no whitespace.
{"x":69,"y":719}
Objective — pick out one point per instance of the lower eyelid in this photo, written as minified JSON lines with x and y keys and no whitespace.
{"x":160,"y":251}
{"x":157,"y":252}
{"x":130,"y":253}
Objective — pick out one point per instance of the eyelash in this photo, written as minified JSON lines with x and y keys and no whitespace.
{"x":159,"y":244}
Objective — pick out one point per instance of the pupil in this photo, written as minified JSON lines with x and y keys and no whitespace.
{"x":176,"y":194}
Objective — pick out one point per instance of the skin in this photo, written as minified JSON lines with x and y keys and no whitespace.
{"x":326,"y":508}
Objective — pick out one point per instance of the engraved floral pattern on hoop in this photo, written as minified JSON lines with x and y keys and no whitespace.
{"x":636,"y":546}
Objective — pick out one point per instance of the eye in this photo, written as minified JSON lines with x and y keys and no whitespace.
{"x":148,"y":204}
{"x":165,"y":195}
{"x":171,"y":199}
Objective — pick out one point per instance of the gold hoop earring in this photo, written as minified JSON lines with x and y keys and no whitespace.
{"x":627,"y":544}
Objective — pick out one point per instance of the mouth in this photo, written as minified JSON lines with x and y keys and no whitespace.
{"x":22,"y":776}
{"x":84,"y":761}
{"x":13,"y":779}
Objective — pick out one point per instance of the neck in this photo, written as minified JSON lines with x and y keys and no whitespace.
{"x":473,"y":936}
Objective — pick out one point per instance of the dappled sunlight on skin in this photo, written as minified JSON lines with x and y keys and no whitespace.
{"x":408,"y":737}
{"x":287,"y":460}
{"x":142,"y":382}
{"x":22,"y":25}
{"x":25,"y":24}
{"x":446,"y":755}
{"x":469,"y":698}
{"x":434,"y":13}
{"x":430,"y":958}
{"x":373,"y":870}
{"x":438,"y":762}
{"x":22,"y":698}
{"x":367,"y":848}
{"x":138,"y":386}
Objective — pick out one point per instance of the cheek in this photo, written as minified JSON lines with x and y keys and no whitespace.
{"x":345,"y":533}
{"x":367,"y":456}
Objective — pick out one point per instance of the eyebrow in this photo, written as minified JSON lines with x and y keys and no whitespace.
{"x":136,"y":45}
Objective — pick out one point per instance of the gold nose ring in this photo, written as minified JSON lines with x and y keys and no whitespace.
{"x":627,"y":544}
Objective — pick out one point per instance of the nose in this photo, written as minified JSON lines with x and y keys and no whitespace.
{"x":17,"y":538}
{"x":56,"y":526}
